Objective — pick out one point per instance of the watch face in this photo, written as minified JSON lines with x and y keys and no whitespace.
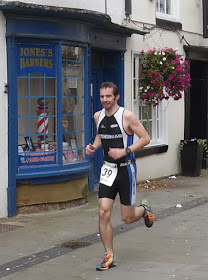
{"x":128,"y":151}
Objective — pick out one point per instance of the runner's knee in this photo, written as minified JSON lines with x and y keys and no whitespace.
{"x":104,"y":214}
{"x":127,"y":219}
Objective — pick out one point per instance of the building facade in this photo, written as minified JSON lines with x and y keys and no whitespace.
{"x":53,"y":60}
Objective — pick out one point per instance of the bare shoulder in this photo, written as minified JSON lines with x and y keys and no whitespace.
{"x":129,"y":116}
{"x":133,"y":125}
{"x":130,"y":122}
{"x":96,"y":116}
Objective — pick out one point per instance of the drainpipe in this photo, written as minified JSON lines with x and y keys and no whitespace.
{"x":105,"y":6}
{"x":128,"y":7}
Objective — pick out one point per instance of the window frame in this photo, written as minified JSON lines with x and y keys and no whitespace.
{"x":174,"y":15}
{"x":159,"y":113}
{"x":44,"y":173}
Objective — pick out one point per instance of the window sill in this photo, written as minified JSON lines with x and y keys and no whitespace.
{"x":147,"y":151}
{"x":53,"y":174}
{"x":169,"y":24}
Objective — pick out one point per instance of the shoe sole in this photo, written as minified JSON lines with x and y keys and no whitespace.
{"x":105,"y":268}
{"x":149,"y":223}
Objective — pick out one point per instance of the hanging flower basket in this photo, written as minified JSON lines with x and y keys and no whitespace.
{"x":164,"y":74}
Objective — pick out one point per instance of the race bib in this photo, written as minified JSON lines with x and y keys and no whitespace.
{"x":108,"y":173}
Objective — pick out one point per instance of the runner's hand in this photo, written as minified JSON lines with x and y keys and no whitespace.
{"x":117,"y":153}
{"x":90,"y":149}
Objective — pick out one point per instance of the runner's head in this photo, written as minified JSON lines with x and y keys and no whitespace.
{"x":110,"y":85}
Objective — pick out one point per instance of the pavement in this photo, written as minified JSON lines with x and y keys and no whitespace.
{"x":65,"y":244}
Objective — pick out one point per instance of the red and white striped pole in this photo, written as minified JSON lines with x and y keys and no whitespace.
{"x":42,"y":120}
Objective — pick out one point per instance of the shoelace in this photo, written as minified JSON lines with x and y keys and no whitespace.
{"x":106,"y":258}
{"x":150,"y":215}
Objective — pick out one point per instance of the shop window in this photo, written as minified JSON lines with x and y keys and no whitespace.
{"x":152,"y":118}
{"x":46,"y":109}
{"x":73,"y":103}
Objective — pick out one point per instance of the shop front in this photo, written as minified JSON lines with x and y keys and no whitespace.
{"x":56,"y":63}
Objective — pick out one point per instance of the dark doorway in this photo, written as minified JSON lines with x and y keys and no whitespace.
{"x":199,"y":100}
{"x":105,"y":66}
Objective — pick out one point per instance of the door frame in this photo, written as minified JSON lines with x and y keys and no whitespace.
{"x":101,"y":74}
{"x":200,"y":54}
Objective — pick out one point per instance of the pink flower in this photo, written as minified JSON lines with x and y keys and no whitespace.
{"x":173,"y":75}
{"x":152,"y":94}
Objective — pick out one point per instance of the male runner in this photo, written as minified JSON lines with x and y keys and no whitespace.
{"x":116,"y":127}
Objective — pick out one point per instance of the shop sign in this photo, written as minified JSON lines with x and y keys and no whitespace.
{"x":38,"y":159}
{"x":36,"y":59}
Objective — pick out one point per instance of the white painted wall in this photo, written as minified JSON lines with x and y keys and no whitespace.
{"x":114,"y":8}
{"x":3,"y":122}
{"x":98,"y":6}
{"x":192,"y":16}
{"x":168,"y":163}
{"x":143,"y":11}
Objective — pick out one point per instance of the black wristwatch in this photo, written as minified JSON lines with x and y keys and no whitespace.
{"x":128,"y":151}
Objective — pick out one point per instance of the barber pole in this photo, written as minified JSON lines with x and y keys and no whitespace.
{"x":42,"y":120}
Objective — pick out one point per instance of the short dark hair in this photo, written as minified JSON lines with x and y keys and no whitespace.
{"x":110,"y":85}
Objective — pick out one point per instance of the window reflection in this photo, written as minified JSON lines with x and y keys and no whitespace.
{"x":73,"y":103}
{"x":38,"y":123}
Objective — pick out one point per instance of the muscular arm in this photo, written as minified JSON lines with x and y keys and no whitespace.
{"x":97,"y":141}
{"x":91,"y":148}
{"x":131,"y":125}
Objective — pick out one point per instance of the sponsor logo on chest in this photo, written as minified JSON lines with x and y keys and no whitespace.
{"x":113,"y":125}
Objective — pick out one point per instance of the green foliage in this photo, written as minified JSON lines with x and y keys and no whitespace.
{"x":164,"y":74}
{"x":202,"y":142}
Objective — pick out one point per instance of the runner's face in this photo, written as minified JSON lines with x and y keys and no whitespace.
{"x":107,"y":98}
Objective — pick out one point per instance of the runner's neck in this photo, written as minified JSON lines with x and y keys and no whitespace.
{"x":112,"y":111}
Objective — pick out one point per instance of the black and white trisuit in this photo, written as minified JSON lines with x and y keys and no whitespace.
{"x":117,"y":176}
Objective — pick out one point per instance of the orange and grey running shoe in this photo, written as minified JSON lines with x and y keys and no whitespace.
{"x":107,"y":263}
{"x":148,"y":216}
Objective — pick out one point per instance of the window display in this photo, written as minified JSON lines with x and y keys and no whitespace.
{"x":39,"y":122}
{"x":73,"y":103}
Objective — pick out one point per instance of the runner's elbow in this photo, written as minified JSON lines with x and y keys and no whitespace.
{"x":147,"y":140}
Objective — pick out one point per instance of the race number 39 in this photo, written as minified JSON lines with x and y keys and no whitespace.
{"x":108,"y":175}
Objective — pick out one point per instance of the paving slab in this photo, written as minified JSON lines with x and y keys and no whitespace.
{"x":176,"y":247}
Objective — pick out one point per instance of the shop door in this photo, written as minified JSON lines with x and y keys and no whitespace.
{"x":96,"y":81}
{"x":199,"y":100}
{"x":105,"y":67}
